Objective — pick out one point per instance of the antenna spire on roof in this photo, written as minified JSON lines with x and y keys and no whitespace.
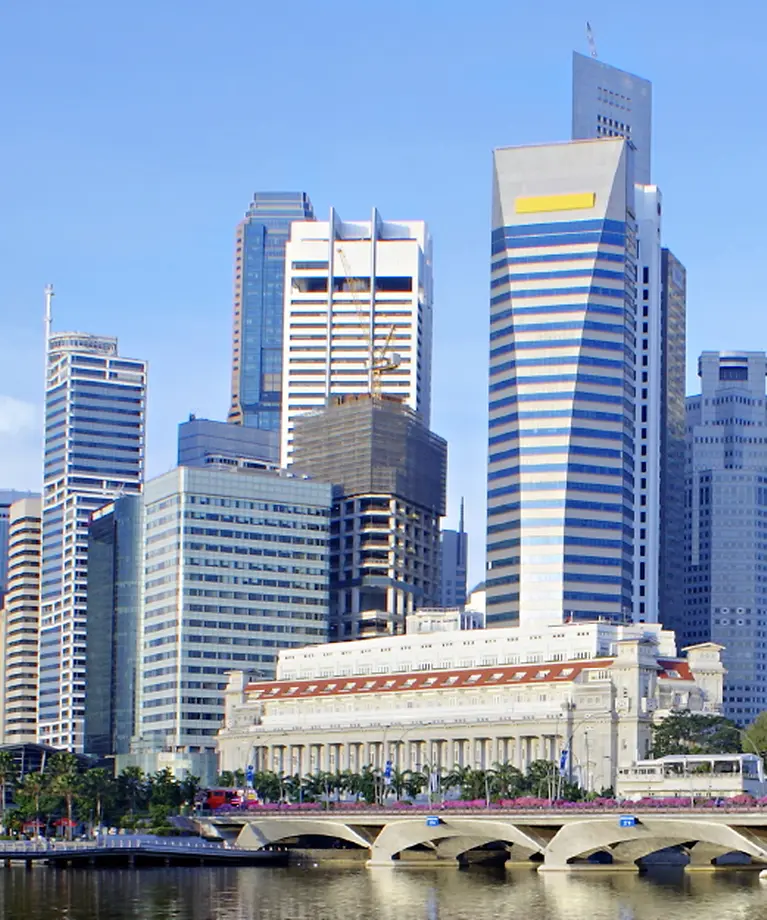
{"x":591,"y":41}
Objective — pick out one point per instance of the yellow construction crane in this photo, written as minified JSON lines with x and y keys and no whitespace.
{"x":380,"y":360}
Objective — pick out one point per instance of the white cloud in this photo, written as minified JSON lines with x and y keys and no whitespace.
{"x":16,"y":416}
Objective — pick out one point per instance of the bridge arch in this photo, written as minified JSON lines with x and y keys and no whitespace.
{"x":578,"y":839}
{"x":258,"y":834}
{"x":450,"y":838}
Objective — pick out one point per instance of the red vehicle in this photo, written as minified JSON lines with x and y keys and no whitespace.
{"x":216,"y":798}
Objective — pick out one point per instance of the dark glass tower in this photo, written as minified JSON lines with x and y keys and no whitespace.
{"x":259,"y":281}
{"x":114,"y":598}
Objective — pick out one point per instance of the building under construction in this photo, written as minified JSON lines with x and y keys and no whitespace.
{"x":389,"y":474}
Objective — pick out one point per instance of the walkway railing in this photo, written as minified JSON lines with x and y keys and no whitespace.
{"x":21,"y":848}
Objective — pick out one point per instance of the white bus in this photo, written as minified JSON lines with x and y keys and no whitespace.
{"x":687,"y":775}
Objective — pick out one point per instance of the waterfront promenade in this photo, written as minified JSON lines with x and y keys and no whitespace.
{"x":134,"y":851}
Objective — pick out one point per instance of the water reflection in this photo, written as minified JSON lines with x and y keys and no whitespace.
{"x":403,"y":894}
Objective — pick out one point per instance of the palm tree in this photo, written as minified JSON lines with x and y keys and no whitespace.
{"x":67,"y":783}
{"x":133,"y":784}
{"x":312,"y":786}
{"x":461,"y":778}
{"x":415,"y":782}
{"x":98,"y":785}
{"x":509,"y":780}
{"x":8,"y":777}
{"x":32,"y":788}
{"x":541,"y":779}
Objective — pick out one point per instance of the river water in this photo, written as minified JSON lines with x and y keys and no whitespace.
{"x":380,"y":894}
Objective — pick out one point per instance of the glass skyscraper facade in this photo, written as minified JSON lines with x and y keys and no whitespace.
{"x":562,"y":384}
{"x":726,"y":524}
{"x":115,"y":556}
{"x":93,"y":451}
{"x":236,"y":567}
{"x":608,"y":102}
{"x":259,"y":287}
{"x":672,"y":440}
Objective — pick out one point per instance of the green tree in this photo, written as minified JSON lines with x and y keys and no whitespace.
{"x":98,"y":790}
{"x":470,"y":782}
{"x":66,"y":782}
{"x":8,"y":777}
{"x":694,"y":733}
{"x":226,"y":779}
{"x":62,"y":762}
{"x":509,"y":780}
{"x":268,"y":785}
{"x":188,"y":789}
{"x":133,"y":788}
{"x":415,"y":782}
{"x":398,"y":782}
{"x":365,"y":785}
{"x":164,"y":789}
{"x":542,"y":779}
{"x":31,"y":797}
{"x":754,"y":737}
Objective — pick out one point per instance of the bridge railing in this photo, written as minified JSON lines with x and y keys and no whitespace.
{"x":513,"y":806}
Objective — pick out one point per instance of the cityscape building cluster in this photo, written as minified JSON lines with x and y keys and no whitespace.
{"x":286,"y":598}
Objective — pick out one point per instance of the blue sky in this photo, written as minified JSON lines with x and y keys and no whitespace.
{"x":134,"y":135}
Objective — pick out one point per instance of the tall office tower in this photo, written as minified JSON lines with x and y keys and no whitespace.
{"x":115,"y":557}
{"x":22,"y":621}
{"x":236,"y":567}
{"x":726,"y":533}
{"x":672,"y":438}
{"x":94,"y":451}
{"x":454,"y":552}
{"x":202,"y":442}
{"x":357,"y":293}
{"x":608,"y":102}
{"x":259,"y":277}
{"x":389,"y":475}
{"x":651,"y":398}
{"x":7,"y":498}
{"x":562,"y":388}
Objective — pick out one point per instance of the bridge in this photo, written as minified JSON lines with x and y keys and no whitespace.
{"x":549,"y":840}
{"x":133,"y":851}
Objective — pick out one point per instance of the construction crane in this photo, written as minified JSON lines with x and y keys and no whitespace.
{"x":590,"y":39}
{"x":380,"y":360}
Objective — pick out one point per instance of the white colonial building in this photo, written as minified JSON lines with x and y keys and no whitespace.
{"x":470,"y":698}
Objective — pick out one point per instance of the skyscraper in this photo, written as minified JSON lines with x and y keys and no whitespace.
{"x":672,"y":434}
{"x":22,"y":621}
{"x":389,"y":475}
{"x":7,"y":498}
{"x":358,"y":293}
{"x":93,"y":451}
{"x":454,"y":552}
{"x":259,"y":277}
{"x":562,"y":391}
{"x":608,"y":102}
{"x":202,"y":442}
{"x":235,"y":568}
{"x":726,"y":533}
{"x":115,"y":569}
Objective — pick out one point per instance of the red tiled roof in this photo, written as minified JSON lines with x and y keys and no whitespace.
{"x":462,"y":678}
{"x":680,"y":667}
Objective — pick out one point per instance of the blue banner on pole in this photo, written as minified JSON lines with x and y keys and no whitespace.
{"x":388,"y":769}
{"x":563,"y":758}
{"x":250,"y":774}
